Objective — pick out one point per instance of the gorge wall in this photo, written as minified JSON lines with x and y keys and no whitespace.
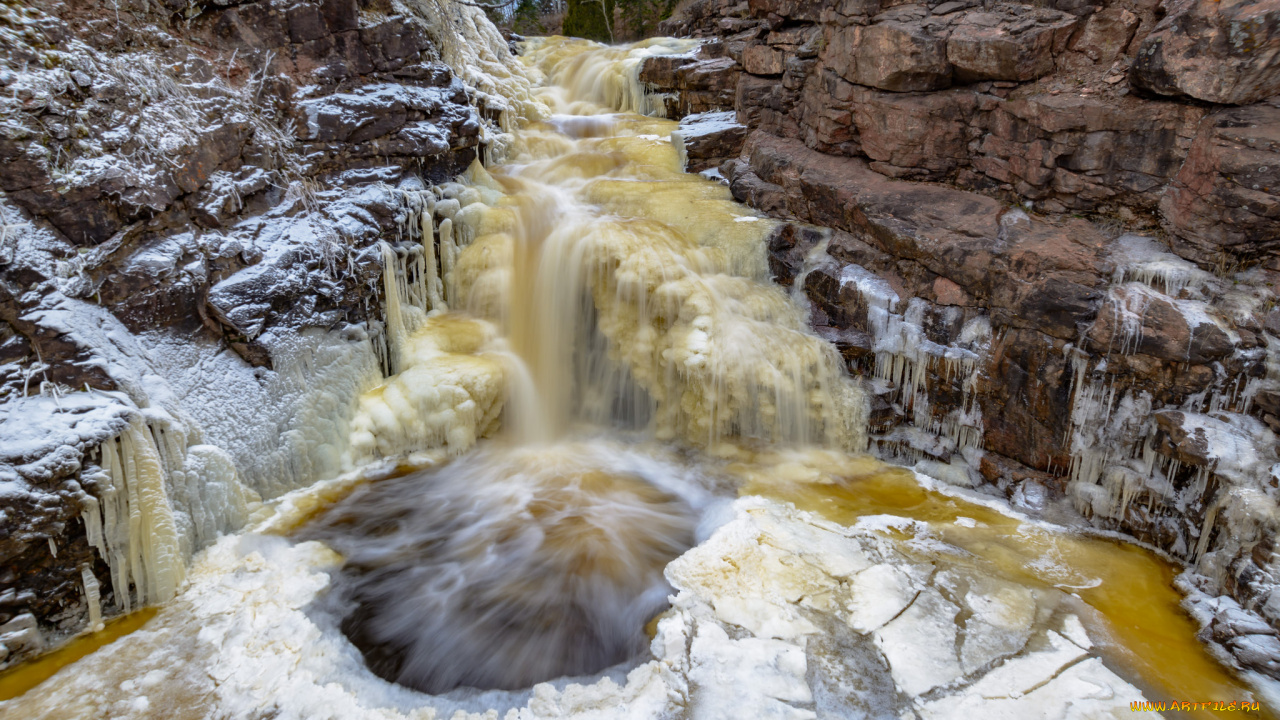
{"x":1046,"y":234}
{"x":208,"y":208}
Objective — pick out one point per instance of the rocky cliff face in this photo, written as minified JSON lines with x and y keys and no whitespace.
{"x":1045,"y":234}
{"x":200,"y":200}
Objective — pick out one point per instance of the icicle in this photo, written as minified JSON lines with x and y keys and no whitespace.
{"x":1206,"y":530}
{"x":139,"y":531}
{"x":92,"y":598}
{"x":91,"y":514}
{"x":151,"y":526}
{"x":435,"y":290}
{"x":448,"y":255}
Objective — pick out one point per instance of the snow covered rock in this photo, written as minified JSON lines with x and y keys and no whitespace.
{"x":710,"y":138}
{"x":160,"y":180}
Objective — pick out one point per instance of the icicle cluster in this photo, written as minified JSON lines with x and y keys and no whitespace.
{"x":1113,"y":433}
{"x":906,"y":363}
{"x":158,"y":500}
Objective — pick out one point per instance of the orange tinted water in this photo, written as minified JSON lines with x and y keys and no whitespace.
{"x":1142,"y":631}
{"x":26,"y":676}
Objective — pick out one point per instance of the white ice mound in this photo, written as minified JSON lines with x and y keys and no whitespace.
{"x":778,"y":614}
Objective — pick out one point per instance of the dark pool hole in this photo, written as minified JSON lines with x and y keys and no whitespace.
{"x":481,"y":575}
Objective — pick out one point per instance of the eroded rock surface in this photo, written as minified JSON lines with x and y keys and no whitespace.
{"x":1220,"y":52}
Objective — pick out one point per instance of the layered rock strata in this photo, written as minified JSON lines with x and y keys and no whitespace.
{"x":1055,"y":105}
{"x":1047,"y":241}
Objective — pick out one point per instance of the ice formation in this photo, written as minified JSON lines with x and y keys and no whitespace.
{"x":447,"y":393}
{"x":1222,"y":457}
{"x":1140,"y":259}
{"x":777,"y":610}
{"x":681,"y":322}
{"x":906,"y":363}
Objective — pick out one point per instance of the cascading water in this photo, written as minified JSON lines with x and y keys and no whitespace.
{"x":638,"y":300}
{"x":607,"y":322}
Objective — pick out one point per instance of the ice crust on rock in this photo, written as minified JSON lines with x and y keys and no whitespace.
{"x":36,"y":431}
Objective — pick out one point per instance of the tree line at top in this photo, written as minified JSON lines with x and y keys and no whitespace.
{"x":608,"y":21}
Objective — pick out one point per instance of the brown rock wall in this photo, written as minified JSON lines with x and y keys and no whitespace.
{"x":1033,"y":350}
{"x":1227,"y":193}
{"x":1030,"y":101}
{"x":1221,"y":52}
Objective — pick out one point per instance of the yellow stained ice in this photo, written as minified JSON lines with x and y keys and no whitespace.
{"x":136,"y":531}
{"x":449,"y":393}
{"x":617,"y":275}
{"x":1142,"y":630}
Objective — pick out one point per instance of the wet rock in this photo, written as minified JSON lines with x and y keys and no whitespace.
{"x":822,"y":286}
{"x":45,"y":442}
{"x":1137,"y":319}
{"x":111,"y":210}
{"x":1189,"y":444}
{"x":21,"y":636}
{"x":1259,"y":652}
{"x":306,"y":22}
{"x":1009,"y":42}
{"x":787,"y":245}
{"x":748,"y":188}
{"x":1025,"y":406}
{"x":369,"y":112}
{"x":216,"y":147}
{"x":307,"y":275}
{"x":1233,"y":621}
{"x":1221,"y":52}
{"x":1052,"y":272}
{"x":1268,"y":400}
{"x":701,"y":82}
{"x":663,"y":70}
{"x":856,"y":347}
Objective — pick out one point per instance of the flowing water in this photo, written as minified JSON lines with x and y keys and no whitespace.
{"x":607,"y":322}
{"x":633,"y":298}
